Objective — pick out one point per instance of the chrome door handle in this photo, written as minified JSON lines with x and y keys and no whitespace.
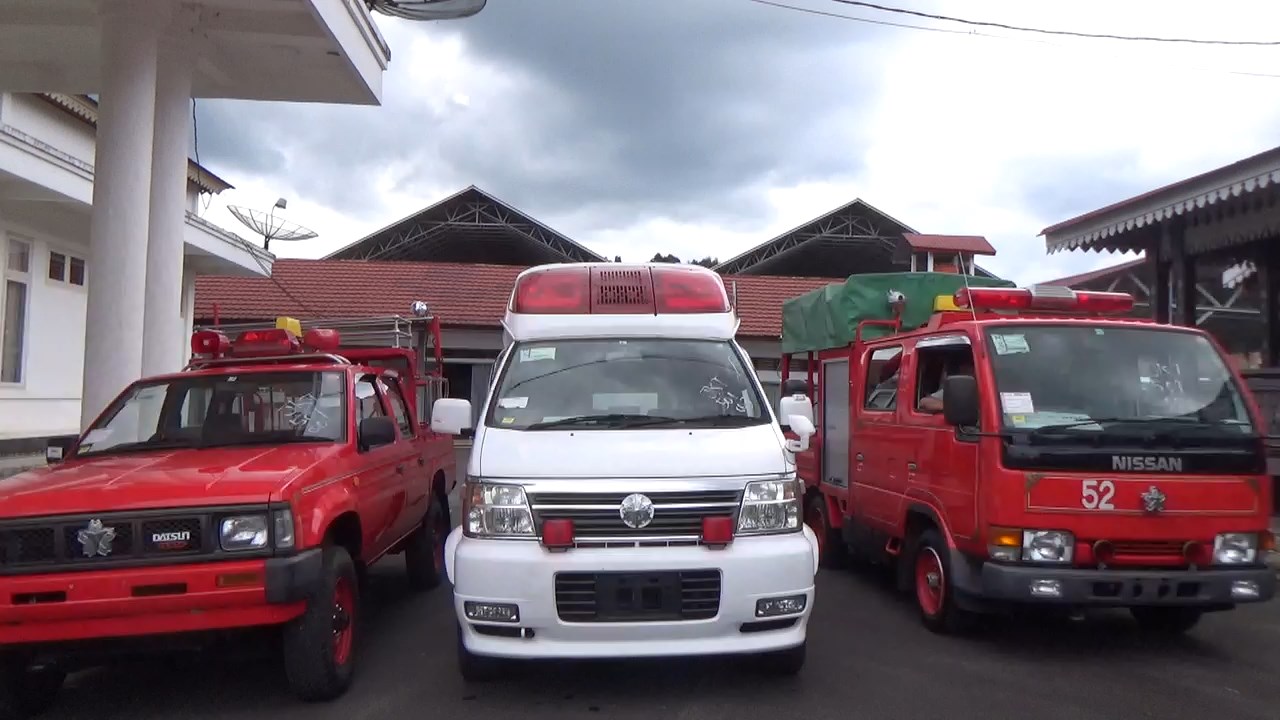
{"x":859,"y":457}
{"x":911,"y":466}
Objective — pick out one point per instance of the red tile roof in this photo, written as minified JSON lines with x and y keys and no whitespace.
{"x":462,"y":294}
{"x":975,"y":244}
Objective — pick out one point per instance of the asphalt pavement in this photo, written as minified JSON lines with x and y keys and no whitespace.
{"x":869,"y":657}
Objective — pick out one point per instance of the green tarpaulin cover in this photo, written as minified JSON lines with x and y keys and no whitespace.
{"x":829,"y":316}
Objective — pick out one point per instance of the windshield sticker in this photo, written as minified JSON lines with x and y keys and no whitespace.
{"x":1010,"y":344}
{"x":508,"y":420}
{"x":536,"y":354}
{"x":1017,"y":403}
{"x":1018,"y":419}
{"x":95,"y":436}
{"x":716,"y":391}
{"x":304,"y":412}
{"x":513,"y":402}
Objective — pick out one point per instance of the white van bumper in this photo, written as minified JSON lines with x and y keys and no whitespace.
{"x":523,"y":573}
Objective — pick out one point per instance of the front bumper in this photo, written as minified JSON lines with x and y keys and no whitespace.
{"x":524,"y":573}
{"x":1118,"y":587}
{"x":160,"y":600}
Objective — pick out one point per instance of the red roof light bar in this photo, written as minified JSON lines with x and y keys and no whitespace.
{"x":577,"y":290}
{"x":1044,"y":298}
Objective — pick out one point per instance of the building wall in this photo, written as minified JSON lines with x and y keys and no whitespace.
{"x":41,"y":395}
{"x":50,"y":124}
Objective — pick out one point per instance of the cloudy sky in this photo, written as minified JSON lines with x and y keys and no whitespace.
{"x":705,"y":127}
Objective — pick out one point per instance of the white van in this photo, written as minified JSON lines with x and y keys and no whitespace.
{"x":630,"y":492}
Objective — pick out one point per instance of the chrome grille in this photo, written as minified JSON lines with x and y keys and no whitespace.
{"x":677,"y":516}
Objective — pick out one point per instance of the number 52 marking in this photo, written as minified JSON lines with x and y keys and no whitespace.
{"x":1098,"y":494}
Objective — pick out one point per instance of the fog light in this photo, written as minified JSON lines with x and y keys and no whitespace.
{"x":1245,"y":590}
{"x":1046,"y":588}
{"x":772,"y":607}
{"x":492,"y":612}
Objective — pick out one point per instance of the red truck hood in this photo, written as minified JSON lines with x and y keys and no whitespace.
{"x":178,"y":478}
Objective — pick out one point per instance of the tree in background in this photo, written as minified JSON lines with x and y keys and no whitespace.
{"x":706,"y":262}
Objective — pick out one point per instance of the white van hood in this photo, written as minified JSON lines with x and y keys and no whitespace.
{"x":636,"y":453}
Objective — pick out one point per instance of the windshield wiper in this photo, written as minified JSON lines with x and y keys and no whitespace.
{"x":723,"y":420}
{"x":266,"y":440}
{"x":1180,"y":424}
{"x":619,"y":420}
{"x":139,"y":446}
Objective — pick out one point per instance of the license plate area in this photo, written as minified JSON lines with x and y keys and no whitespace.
{"x":1152,"y":590}
{"x":652,"y":596}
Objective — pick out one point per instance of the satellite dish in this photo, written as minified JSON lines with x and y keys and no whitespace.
{"x":269,"y":226}
{"x":427,"y":9}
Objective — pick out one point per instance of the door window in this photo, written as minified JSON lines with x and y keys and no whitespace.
{"x":400,"y":408}
{"x":882,"y":378}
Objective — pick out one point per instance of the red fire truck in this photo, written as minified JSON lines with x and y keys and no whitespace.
{"x":254,"y":488}
{"x":1006,"y":446}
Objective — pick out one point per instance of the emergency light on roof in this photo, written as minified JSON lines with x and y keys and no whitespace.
{"x":280,"y":340}
{"x":1043,"y":297}
{"x":619,"y":289}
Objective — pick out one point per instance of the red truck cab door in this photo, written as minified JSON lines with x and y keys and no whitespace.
{"x":381,"y":490}
{"x":940,"y":467}
{"x":877,"y":436}
{"x":414,"y":469}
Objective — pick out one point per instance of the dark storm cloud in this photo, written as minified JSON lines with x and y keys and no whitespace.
{"x":681,"y":108}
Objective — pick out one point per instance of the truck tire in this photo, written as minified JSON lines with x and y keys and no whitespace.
{"x":832,"y":552}
{"x":26,"y":692}
{"x":931,"y":578}
{"x":320,"y":645}
{"x":1166,"y":620}
{"x":784,"y":663}
{"x":424,"y":550}
{"x":476,"y":668}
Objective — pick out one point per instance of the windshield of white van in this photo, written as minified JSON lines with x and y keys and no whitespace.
{"x":625,"y":383}
{"x":1090,"y":378}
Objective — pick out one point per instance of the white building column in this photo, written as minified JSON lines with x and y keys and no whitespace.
{"x":162,"y":319}
{"x":121,"y":200}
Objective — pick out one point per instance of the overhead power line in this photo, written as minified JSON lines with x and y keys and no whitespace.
{"x":1042,"y":31}
{"x":985,"y":35}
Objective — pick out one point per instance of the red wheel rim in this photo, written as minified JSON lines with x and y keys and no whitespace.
{"x":439,"y":534}
{"x":931,"y":583}
{"x":815,"y":521}
{"x":344,"y":609}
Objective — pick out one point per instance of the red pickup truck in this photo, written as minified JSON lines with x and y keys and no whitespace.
{"x":254,"y":488}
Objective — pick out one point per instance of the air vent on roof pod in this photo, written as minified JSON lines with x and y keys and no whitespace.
{"x":621,"y":290}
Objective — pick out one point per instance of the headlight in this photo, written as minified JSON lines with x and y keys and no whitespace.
{"x":1048,"y":546}
{"x":770,"y":506}
{"x":243,"y":532}
{"x":1235,"y":549}
{"x":496,"y":511}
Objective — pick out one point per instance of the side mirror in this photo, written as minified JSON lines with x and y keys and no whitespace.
{"x":960,"y":400}
{"x":802,"y":426}
{"x":795,"y":386}
{"x":794,"y":405}
{"x":58,"y":449}
{"x":376,"y":432}
{"x":451,"y":416}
